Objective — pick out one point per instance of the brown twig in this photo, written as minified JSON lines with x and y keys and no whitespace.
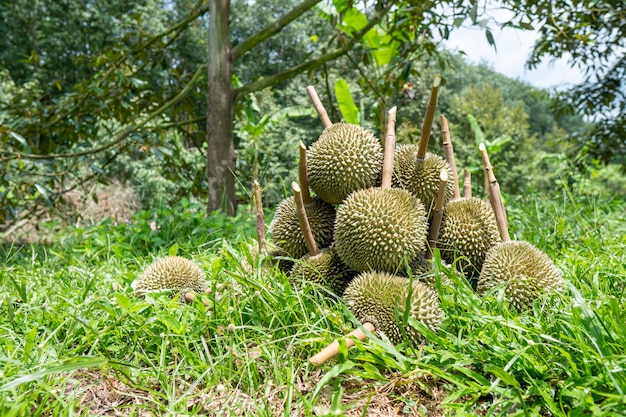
{"x":448,"y":151}
{"x":435,"y":225}
{"x":260,"y":217}
{"x":331,"y":350}
{"x":467,"y":183}
{"x":428,"y":119}
{"x":319,"y":107}
{"x":302,"y":175}
{"x":390,"y":143}
{"x":494,"y":195}
{"x":305,"y":227}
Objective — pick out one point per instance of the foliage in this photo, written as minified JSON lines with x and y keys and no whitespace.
{"x":70,"y":325}
{"x":591,"y":35}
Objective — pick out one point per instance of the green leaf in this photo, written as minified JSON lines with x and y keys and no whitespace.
{"x":348,"y":109}
{"x":490,"y":39}
{"x":173,"y":250}
{"x":504,"y":376}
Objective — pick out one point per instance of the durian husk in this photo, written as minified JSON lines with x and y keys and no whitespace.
{"x":325,"y":268}
{"x":468,"y":231}
{"x":286,"y":233}
{"x":379,"y":229}
{"x":171,"y":273}
{"x":420,"y":177}
{"x":378,"y":298}
{"x":344,"y":159}
{"x":524,"y":271}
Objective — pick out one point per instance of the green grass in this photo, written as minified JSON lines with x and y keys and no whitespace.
{"x":74,"y":340}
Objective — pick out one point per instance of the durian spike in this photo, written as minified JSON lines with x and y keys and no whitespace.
{"x":305,"y":227}
{"x":332,"y":350}
{"x":428,"y":119}
{"x":494,"y":196}
{"x":448,"y":151}
{"x":319,"y":107}
{"x":435,"y":225}
{"x":302,"y":175}
{"x":467,"y":183}
{"x":260,"y":217}
{"x":390,"y":143}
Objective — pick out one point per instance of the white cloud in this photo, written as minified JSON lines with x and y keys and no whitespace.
{"x":513,"y":48}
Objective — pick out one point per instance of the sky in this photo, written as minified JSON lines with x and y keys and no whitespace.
{"x":513,"y":48}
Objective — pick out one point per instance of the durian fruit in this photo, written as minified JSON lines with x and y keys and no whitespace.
{"x":285,"y":228}
{"x":171,"y":273}
{"x":345,"y":158}
{"x":321,"y":266}
{"x":379,"y":228}
{"x":525,"y":272}
{"x":379,"y":301}
{"x":325,"y":268}
{"x":416,"y":170}
{"x":468,"y":231}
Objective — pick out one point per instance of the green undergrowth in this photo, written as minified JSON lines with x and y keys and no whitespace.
{"x":69,"y":324}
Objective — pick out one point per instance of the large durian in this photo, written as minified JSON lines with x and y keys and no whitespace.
{"x":286,"y":231}
{"x":381,"y":299}
{"x":468,"y":230}
{"x":420,"y":176}
{"x":524,"y":271}
{"x":171,"y":273}
{"x":344,"y":159}
{"x":378,"y":228}
{"x":325,"y":268}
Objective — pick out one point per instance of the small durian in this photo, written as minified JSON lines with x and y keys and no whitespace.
{"x":381,"y":299}
{"x":468,"y":231}
{"x":325,"y":268}
{"x":524,"y":271}
{"x":286,"y":232}
{"x":171,"y":273}
{"x":345,"y":158}
{"x":420,"y":176}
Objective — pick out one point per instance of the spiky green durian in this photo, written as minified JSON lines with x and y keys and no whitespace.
{"x":286,"y":232}
{"x":468,"y":230}
{"x":171,"y":273}
{"x":325,"y":268}
{"x":525,"y":272}
{"x":378,"y":228}
{"x":375,"y":297}
{"x":344,"y":159}
{"x":420,"y":177}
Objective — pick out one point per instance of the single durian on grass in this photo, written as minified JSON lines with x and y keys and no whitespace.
{"x":525,"y":272}
{"x":172,"y":273}
{"x":285,"y":226}
{"x":417,"y":170}
{"x":379,"y":301}
{"x":379,"y":228}
{"x":322,"y":266}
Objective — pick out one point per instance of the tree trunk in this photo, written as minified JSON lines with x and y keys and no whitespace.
{"x":220,"y":143}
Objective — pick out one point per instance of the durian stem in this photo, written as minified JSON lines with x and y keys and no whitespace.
{"x":390,"y":143}
{"x":332,"y":350}
{"x":435,"y":225}
{"x":189,"y":297}
{"x":428,"y":119}
{"x":302,"y":175}
{"x":494,"y":196}
{"x":319,"y":107}
{"x":448,"y":151}
{"x":260,"y":217}
{"x":467,"y":183}
{"x":305,"y":227}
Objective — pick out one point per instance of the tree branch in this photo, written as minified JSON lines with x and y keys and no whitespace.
{"x":315,"y":63}
{"x":272,"y":29}
{"x":123,"y":134}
